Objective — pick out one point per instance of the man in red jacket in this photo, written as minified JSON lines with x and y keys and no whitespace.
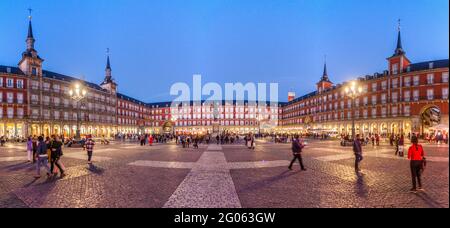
{"x":416,"y":156}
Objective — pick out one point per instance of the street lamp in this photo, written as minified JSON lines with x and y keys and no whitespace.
{"x":353,"y":91}
{"x":77,"y":93}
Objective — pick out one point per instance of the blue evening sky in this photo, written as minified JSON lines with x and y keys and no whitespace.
{"x":155,"y":43}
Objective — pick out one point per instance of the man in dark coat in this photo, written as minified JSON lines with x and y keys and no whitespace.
{"x":297,"y":147}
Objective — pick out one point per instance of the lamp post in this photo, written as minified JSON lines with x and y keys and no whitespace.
{"x":353,"y":92}
{"x":77,"y":93}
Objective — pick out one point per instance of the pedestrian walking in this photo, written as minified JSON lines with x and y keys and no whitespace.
{"x":401,"y":143}
{"x":34,"y":143}
{"x":357,"y":150}
{"x":89,"y":147}
{"x":56,"y":153}
{"x":42,"y":158}
{"x":416,"y":155}
{"x":297,"y":148}
{"x":150,"y":140}
{"x":30,"y":149}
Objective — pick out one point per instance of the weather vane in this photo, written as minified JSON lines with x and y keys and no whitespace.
{"x":30,"y":10}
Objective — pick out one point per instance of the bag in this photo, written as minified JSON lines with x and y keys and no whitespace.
{"x":424,"y":164}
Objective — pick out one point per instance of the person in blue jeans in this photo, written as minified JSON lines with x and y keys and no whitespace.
{"x":42,"y":158}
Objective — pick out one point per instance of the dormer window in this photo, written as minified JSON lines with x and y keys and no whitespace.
{"x":431,"y":65}
{"x":34,"y":71}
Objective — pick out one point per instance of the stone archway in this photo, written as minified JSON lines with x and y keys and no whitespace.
{"x":395,"y":128}
{"x":383,"y":129}
{"x":430,"y":116}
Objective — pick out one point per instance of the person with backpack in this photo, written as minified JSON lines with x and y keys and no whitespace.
{"x":89,"y":147}
{"x":42,"y":158}
{"x":297,"y":147}
{"x":56,"y":153}
{"x":357,"y":150}
{"x":416,"y":155}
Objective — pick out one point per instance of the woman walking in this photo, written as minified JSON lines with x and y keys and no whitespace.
{"x":417,"y":156}
{"x":56,"y":153}
{"x":30,"y":149}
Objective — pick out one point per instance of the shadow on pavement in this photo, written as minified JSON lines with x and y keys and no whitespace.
{"x":269,"y":181}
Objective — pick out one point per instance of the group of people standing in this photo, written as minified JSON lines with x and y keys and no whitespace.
{"x":43,"y":151}
{"x":47,"y":152}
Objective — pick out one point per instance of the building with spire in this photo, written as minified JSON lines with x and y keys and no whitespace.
{"x":404,"y":99}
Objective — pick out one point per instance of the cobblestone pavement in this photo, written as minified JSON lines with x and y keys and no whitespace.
{"x":128,"y":175}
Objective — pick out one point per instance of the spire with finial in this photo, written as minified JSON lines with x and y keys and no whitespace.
{"x":30,"y":38}
{"x":108,"y":75}
{"x":108,"y":64}
{"x":325,"y":73}
{"x":399,"y":48}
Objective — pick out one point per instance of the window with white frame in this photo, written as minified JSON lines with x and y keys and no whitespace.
{"x":383,"y":98}
{"x":374,"y":112}
{"x":430,"y":94}
{"x":9,"y":97}
{"x":374,"y":87}
{"x":357,"y":102}
{"x":56,"y":115}
{"x":19,"y":83}
{"x":407,"y":81}
{"x":416,"y":95}
{"x":384,"y":85}
{"x":20,"y":112}
{"x":46,"y":86}
{"x":430,"y":78}
{"x":365,"y":113}
{"x":1,"y":97}
{"x":444,"y":93}
{"x":394,"y":97}
{"x":383,"y":112}
{"x":445,"y":77}
{"x":1,"y":82}
{"x":349,"y":103}
{"x":395,"y":83}
{"x":416,"y":80}
{"x":395,"y":68}
{"x":9,"y":82}
{"x":374,"y":99}
{"x":407,"y":95}
{"x":10,"y":112}
{"x":394,"y":110}
{"x":365,"y":88}
{"x":20,"y":98}
{"x":349,"y":115}
{"x":342,"y":104}
{"x":407,"y":110}
{"x":365,"y":100}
